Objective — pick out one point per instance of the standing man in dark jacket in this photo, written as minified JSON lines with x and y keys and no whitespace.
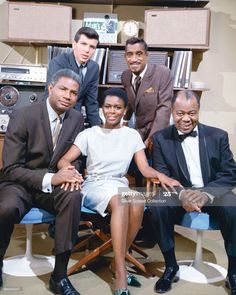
{"x":150,"y":101}
{"x":79,"y":60}
{"x":37,"y":137}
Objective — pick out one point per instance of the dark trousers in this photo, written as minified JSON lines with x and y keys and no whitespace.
{"x":163,"y":219}
{"x":16,"y":201}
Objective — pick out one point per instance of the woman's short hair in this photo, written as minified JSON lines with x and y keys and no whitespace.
{"x":115,"y":92}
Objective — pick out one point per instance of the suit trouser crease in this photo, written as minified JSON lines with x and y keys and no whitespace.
{"x":16,"y":201}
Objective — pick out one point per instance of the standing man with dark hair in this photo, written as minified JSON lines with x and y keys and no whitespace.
{"x":37,"y":137}
{"x":149,"y":88}
{"x":199,"y":157}
{"x":79,"y":60}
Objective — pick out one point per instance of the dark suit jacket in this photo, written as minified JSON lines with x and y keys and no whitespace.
{"x":152,"y":103}
{"x":28,"y":150}
{"x":88,"y":93}
{"x":217,"y":163}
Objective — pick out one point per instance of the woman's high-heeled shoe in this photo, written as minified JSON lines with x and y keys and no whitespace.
{"x":122,"y":292}
{"x":132,"y":281}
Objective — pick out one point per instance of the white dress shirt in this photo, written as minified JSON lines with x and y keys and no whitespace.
{"x":190,"y":146}
{"x":47,"y":179}
{"x":140,"y":75}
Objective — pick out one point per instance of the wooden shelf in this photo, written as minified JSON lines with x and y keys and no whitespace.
{"x":34,"y":43}
{"x":109,"y":45}
{"x":110,"y":85}
{"x":175,"y":89}
{"x":170,"y":3}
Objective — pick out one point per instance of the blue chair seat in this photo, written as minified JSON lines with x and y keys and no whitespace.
{"x":36,"y":215}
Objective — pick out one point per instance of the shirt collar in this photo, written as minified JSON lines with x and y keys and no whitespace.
{"x":52,"y":114}
{"x":78,"y":64}
{"x":141,"y":74}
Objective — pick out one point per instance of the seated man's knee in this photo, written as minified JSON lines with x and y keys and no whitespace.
{"x":158,"y":210}
{"x":9,"y":213}
{"x":74,"y":198}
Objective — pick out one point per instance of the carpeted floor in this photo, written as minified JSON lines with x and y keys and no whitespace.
{"x":96,"y":278}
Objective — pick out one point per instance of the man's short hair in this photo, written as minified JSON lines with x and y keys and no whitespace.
{"x":88,"y":32}
{"x":115,"y":92}
{"x":136,"y":40}
{"x":65,"y":73}
{"x":188,"y":94}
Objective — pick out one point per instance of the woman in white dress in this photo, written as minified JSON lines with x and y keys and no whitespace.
{"x":109,"y":150}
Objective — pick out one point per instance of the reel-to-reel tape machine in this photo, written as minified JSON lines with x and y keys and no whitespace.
{"x":20,"y":85}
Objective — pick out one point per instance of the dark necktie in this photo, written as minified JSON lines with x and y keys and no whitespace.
{"x":183,"y":136}
{"x":137,"y":82}
{"x":81,"y":67}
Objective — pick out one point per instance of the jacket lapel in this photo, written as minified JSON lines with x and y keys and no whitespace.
{"x":181,"y":159}
{"x":62,"y":139}
{"x":145,"y":84}
{"x":47,"y":130}
{"x":75,"y":68}
{"x":129,"y":87}
{"x":204,"y":159}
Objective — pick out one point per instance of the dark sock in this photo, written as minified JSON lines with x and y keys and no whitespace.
{"x":60,"y":269}
{"x":231,"y":265}
{"x":170,"y":259}
{"x":1,"y":261}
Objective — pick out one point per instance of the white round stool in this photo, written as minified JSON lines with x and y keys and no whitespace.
{"x":28,"y":265}
{"x":197,"y":270}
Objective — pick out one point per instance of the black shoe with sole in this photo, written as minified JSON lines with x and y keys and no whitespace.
{"x":163,"y":285}
{"x":1,"y":265}
{"x":64,"y":287}
{"x":230,"y":283}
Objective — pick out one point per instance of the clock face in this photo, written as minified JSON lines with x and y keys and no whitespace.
{"x":130,"y":28}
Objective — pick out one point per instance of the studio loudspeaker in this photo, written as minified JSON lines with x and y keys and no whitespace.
{"x":35,"y":22}
{"x":177,"y":27}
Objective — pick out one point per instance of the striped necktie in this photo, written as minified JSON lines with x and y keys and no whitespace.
{"x":137,"y":82}
{"x":56,"y":131}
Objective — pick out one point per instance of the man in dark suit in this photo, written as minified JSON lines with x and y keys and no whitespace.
{"x":37,"y":137}
{"x":84,"y":45}
{"x":151,"y":99}
{"x":199,"y":157}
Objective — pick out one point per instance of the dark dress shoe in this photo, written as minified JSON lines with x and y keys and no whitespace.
{"x":164,"y":283}
{"x":230,"y":283}
{"x":1,"y":282}
{"x":64,"y":287}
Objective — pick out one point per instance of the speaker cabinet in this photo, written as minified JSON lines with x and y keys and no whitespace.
{"x":177,"y":27}
{"x":35,"y":22}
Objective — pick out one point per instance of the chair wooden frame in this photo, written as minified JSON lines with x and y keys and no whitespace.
{"x":107,"y":243}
